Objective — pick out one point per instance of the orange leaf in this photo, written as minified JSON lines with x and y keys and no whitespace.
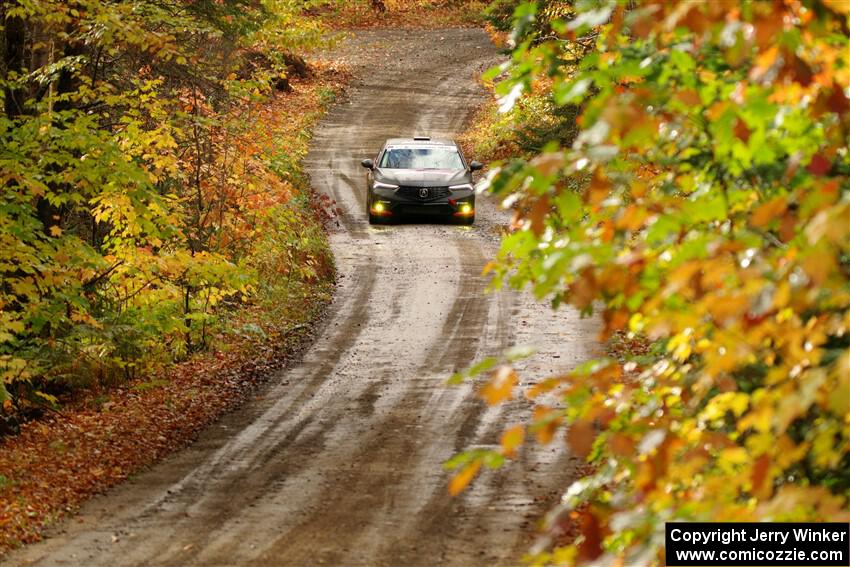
{"x":545,"y":386}
{"x":545,"y":423}
{"x":767,"y":212}
{"x":538,"y":214}
{"x":632,"y":218}
{"x":580,"y":436}
{"x":583,"y":290}
{"x":767,"y":28}
{"x":761,"y":487}
{"x":689,"y":96}
{"x":500,"y":387}
{"x":621,"y":444}
{"x":607,"y":374}
{"x":788,"y":227}
{"x":614,"y":321}
{"x":727,"y":306}
{"x":599,"y":188}
{"x":462,"y":479}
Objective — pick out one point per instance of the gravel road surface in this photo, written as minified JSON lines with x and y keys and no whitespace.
{"x":338,"y":461}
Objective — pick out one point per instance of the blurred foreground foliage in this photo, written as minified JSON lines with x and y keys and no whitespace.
{"x":144,"y":181}
{"x":702,"y":208}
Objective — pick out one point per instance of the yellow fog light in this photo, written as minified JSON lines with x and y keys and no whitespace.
{"x":378,"y":207}
{"x":466,"y":208}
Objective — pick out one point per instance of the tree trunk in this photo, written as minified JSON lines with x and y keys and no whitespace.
{"x":14,"y":36}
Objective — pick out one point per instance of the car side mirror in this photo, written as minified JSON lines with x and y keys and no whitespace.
{"x":475,"y":165}
{"x":368,"y":164}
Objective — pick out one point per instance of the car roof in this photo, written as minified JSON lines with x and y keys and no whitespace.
{"x":420,"y":140}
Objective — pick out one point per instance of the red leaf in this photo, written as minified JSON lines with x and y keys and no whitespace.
{"x":819,"y":165}
{"x":837,"y":102}
{"x":591,"y":545}
{"x":742,"y":131}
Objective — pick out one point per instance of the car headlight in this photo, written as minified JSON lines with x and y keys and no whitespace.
{"x":379,"y":185}
{"x":462,"y":186}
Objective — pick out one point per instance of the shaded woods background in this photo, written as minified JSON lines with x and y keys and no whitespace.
{"x":144,"y":184}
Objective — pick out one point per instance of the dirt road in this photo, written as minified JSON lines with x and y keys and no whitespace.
{"x":338,"y":462}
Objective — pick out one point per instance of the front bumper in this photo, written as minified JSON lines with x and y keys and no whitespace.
{"x":407,"y":201}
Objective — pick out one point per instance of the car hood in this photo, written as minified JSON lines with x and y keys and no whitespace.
{"x":423,"y":177}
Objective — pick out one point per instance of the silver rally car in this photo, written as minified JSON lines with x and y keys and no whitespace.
{"x":420,"y":176}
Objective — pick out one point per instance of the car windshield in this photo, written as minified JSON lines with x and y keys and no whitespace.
{"x":435,"y":157}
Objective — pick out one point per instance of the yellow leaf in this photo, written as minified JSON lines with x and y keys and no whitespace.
{"x":838,"y":399}
{"x":782,"y":295}
{"x":55,"y":230}
{"x":736,"y":402}
{"x":488,"y":267}
{"x":680,"y":346}
{"x":511,"y":439}
{"x":729,"y":459}
{"x":841,"y":6}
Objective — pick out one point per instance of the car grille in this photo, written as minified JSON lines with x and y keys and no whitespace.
{"x":426,"y":210}
{"x":416,"y":193}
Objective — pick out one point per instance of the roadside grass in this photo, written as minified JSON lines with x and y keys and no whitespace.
{"x":488,"y":135}
{"x":97,"y":437}
{"x":405,"y":14}
{"x":524,"y":130}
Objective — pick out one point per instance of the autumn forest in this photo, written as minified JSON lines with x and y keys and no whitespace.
{"x":182,"y":221}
